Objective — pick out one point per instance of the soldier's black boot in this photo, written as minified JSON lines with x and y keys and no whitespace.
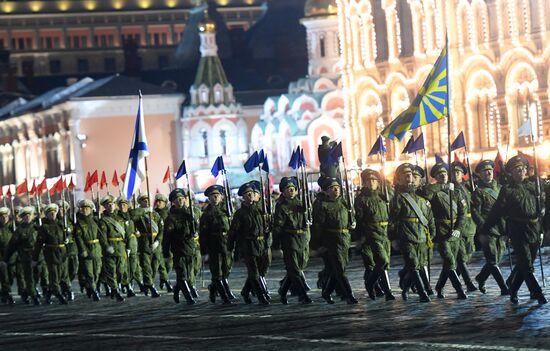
{"x":245,"y":292}
{"x":514,"y":285}
{"x":453,"y":277}
{"x":47,"y":297}
{"x":218,"y":285}
{"x":7,"y":298}
{"x":186,"y":290}
{"x":302,"y":293}
{"x":130,"y":291}
{"x":143,"y":289}
{"x":108,"y":290}
{"x":25,"y":297}
{"x":511,"y":277}
{"x":176,"y":293}
{"x":212,"y":292}
{"x":417,"y":281}
{"x":194,"y":291}
{"x":95,"y":295}
{"x":37,"y":292}
{"x":369,"y":284}
{"x":481,"y":278}
{"x":497,"y":274}
{"x":441,"y":284}
{"x":535,"y":289}
{"x":366,"y":276}
{"x":69,"y":295}
{"x":228,"y":290}
{"x":285,"y":285}
{"x":304,"y":281}
{"x":118,"y":296}
{"x":385,"y":284}
{"x":263,"y":285}
{"x":346,"y":287}
{"x":425,"y":276}
{"x":405,"y":284}
{"x":36,"y":300}
{"x":327,"y":291}
{"x":61,"y":299}
{"x":463,"y":268}
{"x":260,"y":293}
{"x":166,"y":284}
{"x":154,"y":292}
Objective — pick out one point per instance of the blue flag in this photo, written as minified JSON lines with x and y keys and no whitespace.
{"x":261,"y":156}
{"x":438,"y":159}
{"x":181,"y":171}
{"x":408,"y":146}
{"x":265,"y":165}
{"x":302,"y":158}
{"x":418,"y":144}
{"x":459,"y":142}
{"x":294,"y":159}
{"x":218,"y":166}
{"x":334,"y":154}
{"x":378,"y":147}
{"x":252,"y":162}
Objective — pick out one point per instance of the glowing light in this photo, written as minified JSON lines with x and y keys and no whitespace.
{"x":8,"y":7}
{"x":63,"y":5}
{"x":144,"y":4}
{"x":35,"y":6}
{"x":90,"y":5}
{"x":222,"y":2}
{"x":118,"y":4}
{"x":171,"y":3}
{"x":543,"y":151}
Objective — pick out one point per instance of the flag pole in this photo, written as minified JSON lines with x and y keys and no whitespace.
{"x":12,"y":210}
{"x":449,"y":134}
{"x":539,"y":198}
{"x":471,"y":178}
{"x":97,"y":199}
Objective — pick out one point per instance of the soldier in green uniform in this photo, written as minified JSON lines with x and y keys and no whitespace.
{"x":149,"y":231}
{"x":63,"y":218}
{"x":115,"y":259}
{"x":181,"y":239}
{"x":331,"y":234}
{"x":52,"y":239}
{"x":517,"y":203}
{"x":6,"y":233}
{"x":372,"y":218}
{"x":467,"y":244}
{"x":197,"y":257}
{"x":23,"y":242}
{"x":133,"y":271}
{"x":213,"y":229}
{"x":165,"y":266}
{"x":90,"y":242}
{"x":290,"y":226}
{"x":265,"y":258}
{"x":493,"y":244}
{"x":247,"y":231}
{"x":412,"y":224}
{"x":448,"y":234}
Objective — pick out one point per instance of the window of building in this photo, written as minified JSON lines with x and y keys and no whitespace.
{"x":164,"y":38}
{"x":103,"y":39}
{"x":96,"y":41}
{"x":163,"y":61}
{"x":20,"y":43}
{"x":156,"y":39}
{"x":76,"y":42}
{"x":84,"y":41}
{"x":28,"y":43}
{"x":223,"y":141}
{"x":82,"y":66}
{"x":322,"y":45}
{"x":109,"y":64}
{"x":55,"y":66}
{"x":111,"y":40}
{"x":204,"y":135}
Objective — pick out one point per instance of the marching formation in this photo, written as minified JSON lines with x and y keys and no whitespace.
{"x":114,"y":246}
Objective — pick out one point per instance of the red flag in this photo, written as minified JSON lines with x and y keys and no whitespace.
{"x":33,"y":188}
{"x":93,"y":178}
{"x":71,"y":184}
{"x":115,"y":179}
{"x":166,"y":175}
{"x":529,"y":158}
{"x":57,"y":187}
{"x":499,"y":164}
{"x":42,"y":187}
{"x":122,"y":177}
{"x":103,"y":182}
{"x":1,"y":190}
{"x":8,"y":193}
{"x":22,"y":188}
{"x":87,"y":186}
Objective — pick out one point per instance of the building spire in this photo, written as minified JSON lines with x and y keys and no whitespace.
{"x":207,"y":32}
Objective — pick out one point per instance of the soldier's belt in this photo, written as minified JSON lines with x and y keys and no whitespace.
{"x":524,"y":220}
{"x":55,"y":246}
{"x":445,"y":221}
{"x":295,"y":231}
{"x":260,"y":237}
{"x":115,"y":239}
{"x":146,"y":234}
{"x":383,"y":223}
{"x":95,"y":241}
{"x":410,"y":219}
{"x":135,"y":235}
{"x":468,"y":215}
{"x":338,"y":231}
{"x":196,"y":239}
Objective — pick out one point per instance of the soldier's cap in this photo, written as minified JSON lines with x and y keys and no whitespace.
{"x":405,"y":168}
{"x":328,"y":182}
{"x":122,"y":200}
{"x":4,"y":211}
{"x":419,"y":171}
{"x":143,"y":196}
{"x":63,"y":204}
{"x":246,"y":188}
{"x":456,"y":165}
{"x":51,"y":207}
{"x":107,"y":199}
{"x":321,"y":180}
{"x":485,"y":165}
{"x":174,"y":194}
{"x":256,"y":185}
{"x":439,"y":168}
{"x":370,"y":174}
{"x":287,"y":182}
{"x":517,"y":161}
{"x":161,"y":197}
{"x":86,"y":203}
{"x":26,"y":210}
{"x":214,"y":189}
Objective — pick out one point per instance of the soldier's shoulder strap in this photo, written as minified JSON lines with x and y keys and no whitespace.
{"x":492,"y":192}
{"x":114,"y":223}
{"x":443,"y":195}
{"x":414,"y":205}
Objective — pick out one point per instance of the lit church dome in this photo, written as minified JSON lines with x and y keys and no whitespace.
{"x":314,"y":8}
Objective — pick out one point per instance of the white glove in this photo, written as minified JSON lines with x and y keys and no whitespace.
{"x":110,"y":250}
{"x":155,"y":244}
{"x":353,"y":225}
{"x":128,"y":253}
{"x":541,"y":238}
{"x":84,"y":254}
{"x":34,"y":264}
{"x":148,"y":209}
{"x":456,"y":233}
{"x":451,"y":186}
{"x":66,"y":241}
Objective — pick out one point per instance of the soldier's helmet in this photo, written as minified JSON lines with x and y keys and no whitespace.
{"x":419,"y":171}
{"x":485,"y":165}
{"x":517,"y":161}
{"x":161,"y":197}
{"x":107,"y":199}
{"x":456,"y":165}
{"x":86,"y":203}
{"x":439,"y":168}
{"x":122,"y":200}
{"x":143,"y":196}
{"x":246,"y":188}
{"x":174,"y":194}
{"x":51,"y":207}
{"x":287,"y":182}
{"x":329,"y":181}
{"x":370,"y":174}
{"x":26,"y":210}
{"x":214,"y":189}
{"x":4,"y":211}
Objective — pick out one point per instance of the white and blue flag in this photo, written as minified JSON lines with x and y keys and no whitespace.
{"x":135,"y":172}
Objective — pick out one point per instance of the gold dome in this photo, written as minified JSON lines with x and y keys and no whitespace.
{"x":207,"y":24}
{"x":315,"y":8}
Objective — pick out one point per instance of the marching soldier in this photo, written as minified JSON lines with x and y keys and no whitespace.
{"x":197,"y":257}
{"x":494,"y":242}
{"x":448,"y":234}
{"x":265,"y":258}
{"x":115,"y":257}
{"x":330,"y":233}
{"x":5,"y":236}
{"x":72,"y":249}
{"x":467,"y":244}
{"x":52,"y":238}
{"x":517,"y":203}
{"x":247,"y":231}
{"x":165,"y":266}
{"x":412,"y":225}
{"x":149,"y":231}
{"x":133,"y":271}
{"x":290,"y":226}
{"x":214,"y":226}
{"x":90,"y":242}
{"x":182,"y":242}
{"x":371,"y":213}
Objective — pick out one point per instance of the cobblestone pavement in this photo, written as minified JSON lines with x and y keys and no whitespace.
{"x":483,"y":322}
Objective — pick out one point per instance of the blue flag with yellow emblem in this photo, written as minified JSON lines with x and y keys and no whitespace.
{"x":430,"y":105}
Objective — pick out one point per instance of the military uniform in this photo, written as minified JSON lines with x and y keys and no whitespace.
{"x":165,"y":266}
{"x":494,"y":242}
{"x":6,"y":233}
{"x":213,"y":230}
{"x":517,"y":203}
{"x":290,"y":226}
{"x":72,"y":250}
{"x":133,"y":269}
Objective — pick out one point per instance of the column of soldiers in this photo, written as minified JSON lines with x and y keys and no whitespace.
{"x":121,"y":246}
